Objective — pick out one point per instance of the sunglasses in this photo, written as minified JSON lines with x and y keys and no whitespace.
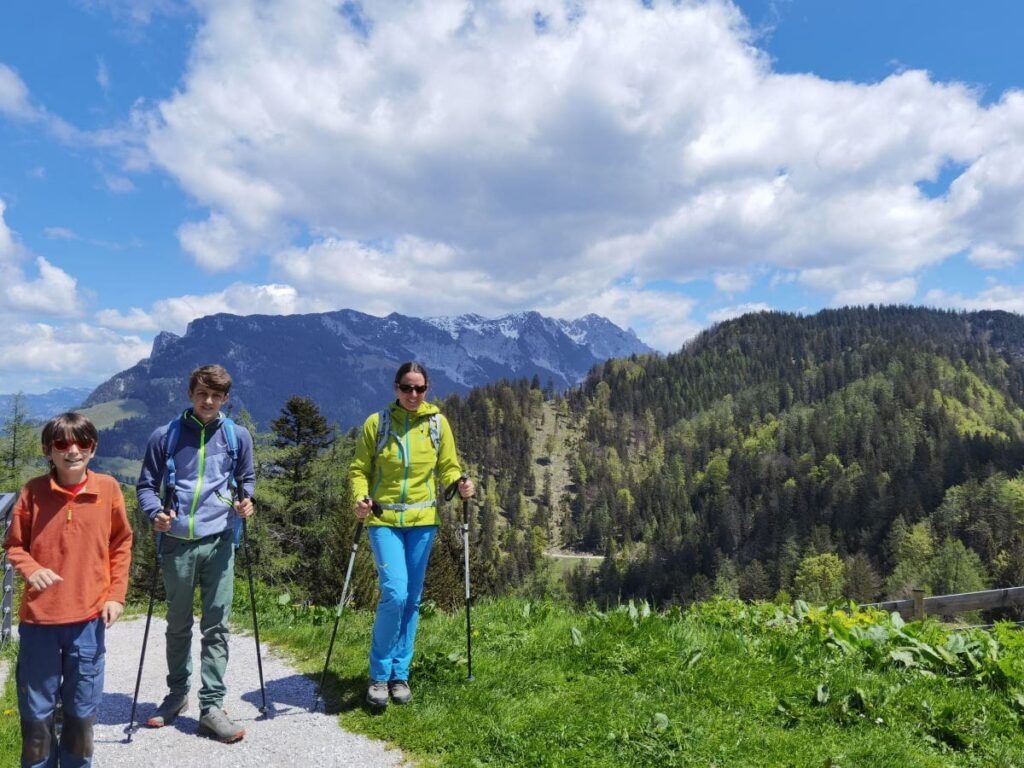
{"x":65,"y":445}
{"x":419,"y":389}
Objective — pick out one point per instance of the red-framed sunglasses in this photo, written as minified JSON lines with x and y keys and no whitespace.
{"x":419,"y":389}
{"x":65,"y":445}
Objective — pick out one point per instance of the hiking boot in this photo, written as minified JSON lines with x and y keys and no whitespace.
{"x":172,"y":706}
{"x":377,"y":693}
{"x":214,"y":722}
{"x":401,"y":693}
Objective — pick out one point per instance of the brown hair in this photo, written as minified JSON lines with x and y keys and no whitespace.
{"x":69,"y":424}
{"x":213,"y":377}
{"x":411,"y":367}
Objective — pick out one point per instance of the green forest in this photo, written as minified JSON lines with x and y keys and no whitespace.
{"x":853,"y":453}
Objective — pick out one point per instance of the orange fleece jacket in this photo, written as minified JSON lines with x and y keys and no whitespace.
{"x":86,"y":540}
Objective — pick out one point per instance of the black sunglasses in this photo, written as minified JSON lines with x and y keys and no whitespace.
{"x":419,"y":389}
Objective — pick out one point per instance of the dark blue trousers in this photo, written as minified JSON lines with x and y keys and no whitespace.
{"x":65,"y":662}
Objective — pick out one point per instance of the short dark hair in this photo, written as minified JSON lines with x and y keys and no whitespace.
{"x":213,"y":377}
{"x":411,"y":367}
{"x":70,"y":424}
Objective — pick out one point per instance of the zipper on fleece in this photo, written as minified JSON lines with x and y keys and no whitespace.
{"x":405,"y":476}
{"x":199,"y":482}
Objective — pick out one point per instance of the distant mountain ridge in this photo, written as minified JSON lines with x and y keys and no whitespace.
{"x":344,"y":360}
{"x":48,"y":404}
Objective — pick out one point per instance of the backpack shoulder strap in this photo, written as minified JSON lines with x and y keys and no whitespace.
{"x":170,"y":470}
{"x":231,"y":436}
{"x":435,"y":431}
{"x":383,"y":430}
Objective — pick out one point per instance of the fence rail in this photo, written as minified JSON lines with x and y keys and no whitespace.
{"x":6,"y":505}
{"x":952,"y":605}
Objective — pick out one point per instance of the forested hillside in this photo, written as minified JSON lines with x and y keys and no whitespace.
{"x":857,"y":452}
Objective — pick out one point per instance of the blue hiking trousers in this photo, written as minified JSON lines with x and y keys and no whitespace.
{"x":401,"y":556}
{"x":64,"y":661}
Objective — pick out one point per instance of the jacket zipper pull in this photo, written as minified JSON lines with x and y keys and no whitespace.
{"x":69,"y":513}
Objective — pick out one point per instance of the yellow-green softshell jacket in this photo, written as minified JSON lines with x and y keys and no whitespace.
{"x":393,"y":481}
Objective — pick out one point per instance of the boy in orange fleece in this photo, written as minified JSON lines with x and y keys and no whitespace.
{"x":71,"y":542}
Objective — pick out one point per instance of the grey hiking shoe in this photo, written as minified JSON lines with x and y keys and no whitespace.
{"x":377,"y":693}
{"x":172,"y":706}
{"x":401,"y":693}
{"x":214,"y":722}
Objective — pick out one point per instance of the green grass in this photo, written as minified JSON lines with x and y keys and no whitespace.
{"x":562,"y":564}
{"x":119,"y":467}
{"x":10,"y":728}
{"x":722,"y":685}
{"x":105,"y":415}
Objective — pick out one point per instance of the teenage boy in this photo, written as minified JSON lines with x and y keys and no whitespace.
{"x":197,"y":518}
{"x":72,"y":544}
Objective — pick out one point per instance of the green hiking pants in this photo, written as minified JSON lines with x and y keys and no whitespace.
{"x":207,"y":563}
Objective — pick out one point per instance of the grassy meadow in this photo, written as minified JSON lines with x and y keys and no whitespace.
{"x":722,"y":684}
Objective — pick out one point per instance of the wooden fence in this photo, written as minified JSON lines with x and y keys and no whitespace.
{"x":6,"y":505}
{"x":952,"y":605}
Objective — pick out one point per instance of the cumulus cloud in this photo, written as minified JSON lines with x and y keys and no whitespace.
{"x":174,"y":314}
{"x":850,"y":285}
{"x":1009,"y":298}
{"x":661,"y":318}
{"x":38,"y":356}
{"x":990,"y":256}
{"x":53,"y":293}
{"x":532,"y":143}
{"x":423,"y":278}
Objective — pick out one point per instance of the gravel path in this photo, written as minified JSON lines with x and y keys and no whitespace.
{"x":290,"y":736}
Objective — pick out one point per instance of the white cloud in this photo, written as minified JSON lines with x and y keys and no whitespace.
{"x":174,"y":314}
{"x":102,"y":75}
{"x":214,"y":244}
{"x":989,"y":256}
{"x":39,"y":356}
{"x":53,"y":293}
{"x":14,"y":100}
{"x":733,"y":282}
{"x":852,"y":286}
{"x":728,"y":313}
{"x":16,"y":103}
{"x":415,"y":276}
{"x":7,"y":244}
{"x":661,"y":318}
{"x":550,"y":162}
{"x":996,"y":296}
{"x":60,"y":233}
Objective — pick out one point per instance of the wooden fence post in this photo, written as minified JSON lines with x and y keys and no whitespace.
{"x":918,"y":603}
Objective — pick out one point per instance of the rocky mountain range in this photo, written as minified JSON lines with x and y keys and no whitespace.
{"x":345,"y":360}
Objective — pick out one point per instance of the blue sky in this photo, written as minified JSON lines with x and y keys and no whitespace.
{"x":667,"y":165}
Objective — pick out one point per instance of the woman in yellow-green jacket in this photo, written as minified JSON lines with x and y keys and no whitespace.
{"x":402,"y":454}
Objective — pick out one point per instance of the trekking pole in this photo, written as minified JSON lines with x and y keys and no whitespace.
{"x":145,"y":637}
{"x":449,"y":494}
{"x":242,"y":496}
{"x":341,"y":603}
